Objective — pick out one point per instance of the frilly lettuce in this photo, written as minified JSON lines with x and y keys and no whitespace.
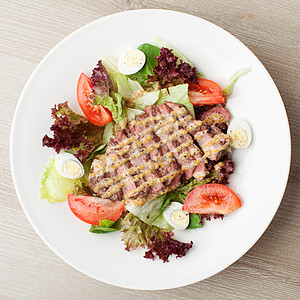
{"x":159,"y":42}
{"x":171,"y":71}
{"x":113,"y":103}
{"x":72,"y":132}
{"x":136,"y":233}
{"x":101,"y":81}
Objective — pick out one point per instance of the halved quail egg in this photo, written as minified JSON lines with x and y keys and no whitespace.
{"x":240,"y":134}
{"x":67,"y":165}
{"x":176,"y":217}
{"x":131,"y":61}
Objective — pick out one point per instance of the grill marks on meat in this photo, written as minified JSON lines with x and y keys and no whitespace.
{"x":153,"y":153}
{"x":215,"y":115}
{"x":211,"y":140}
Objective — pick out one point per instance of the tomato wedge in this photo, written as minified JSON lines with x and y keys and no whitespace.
{"x":92,"y":209}
{"x":211,"y":198}
{"x":97,"y":114}
{"x":206,"y":92}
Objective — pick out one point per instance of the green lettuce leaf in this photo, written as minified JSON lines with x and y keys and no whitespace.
{"x":149,"y":211}
{"x":136,"y":233}
{"x":131,"y":113}
{"x":233,"y":79}
{"x":195,"y":221}
{"x":55,"y":188}
{"x":147,"y":99}
{"x":107,"y":135}
{"x":123,"y":84}
{"x":177,"y":94}
{"x":161,"y":222}
{"x":168,"y":200}
{"x":150,"y":52}
{"x":201,"y":75}
{"x":114,"y":104}
{"x":106,"y":226}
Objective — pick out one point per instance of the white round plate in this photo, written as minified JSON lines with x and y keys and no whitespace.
{"x":261,"y":171}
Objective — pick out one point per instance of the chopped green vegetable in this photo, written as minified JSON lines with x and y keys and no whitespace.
{"x":233,"y":79}
{"x":55,"y":188}
{"x":106,"y":226}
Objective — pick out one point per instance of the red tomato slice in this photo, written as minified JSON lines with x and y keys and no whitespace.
{"x":97,"y":114}
{"x":211,"y":198}
{"x":92,"y":209}
{"x":206,"y":92}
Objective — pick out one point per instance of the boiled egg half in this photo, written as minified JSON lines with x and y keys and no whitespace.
{"x":67,"y":165}
{"x":176,"y":217}
{"x":240,"y":134}
{"x":131,"y":61}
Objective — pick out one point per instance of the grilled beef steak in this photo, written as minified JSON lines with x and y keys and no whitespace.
{"x":153,"y":153}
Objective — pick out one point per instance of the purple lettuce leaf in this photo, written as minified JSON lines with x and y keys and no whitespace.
{"x":169,"y":71}
{"x":72,"y":132}
{"x":101,"y":80}
{"x":163,"y":245}
{"x":221,"y":169}
{"x":209,"y":217}
{"x":136,"y":233}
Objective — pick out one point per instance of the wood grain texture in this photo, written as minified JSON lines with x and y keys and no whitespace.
{"x":29,"y":269}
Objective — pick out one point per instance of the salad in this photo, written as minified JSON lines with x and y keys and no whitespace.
{"x":151,"y":152}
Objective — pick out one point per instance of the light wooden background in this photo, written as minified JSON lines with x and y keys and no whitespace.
{"x":29,"y":29}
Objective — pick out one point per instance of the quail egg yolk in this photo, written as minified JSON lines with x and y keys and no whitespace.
{"x":179,"y":218}
{"x":133,"y":58}
{"x":72,"y":169}
{"x":238,"y":138}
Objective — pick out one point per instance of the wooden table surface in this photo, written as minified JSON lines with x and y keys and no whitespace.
{"x":29,"y":30}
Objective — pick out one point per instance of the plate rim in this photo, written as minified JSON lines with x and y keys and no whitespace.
{"x":14,"y":124}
